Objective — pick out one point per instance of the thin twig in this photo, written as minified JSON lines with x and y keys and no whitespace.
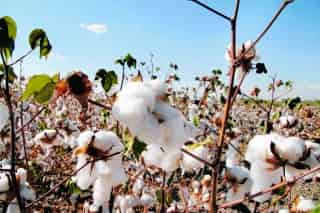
{"x":197,"y":158}
{"x":211,"y":10}
{"x":99,"y":104}
{"x":32,"y":119}
{"x":21,"y":58}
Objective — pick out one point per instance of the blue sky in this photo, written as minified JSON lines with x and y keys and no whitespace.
{"x":174,"y":31}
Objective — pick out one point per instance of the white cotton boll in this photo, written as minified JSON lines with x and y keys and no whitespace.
{"x":153,"y":155}
{"x":244,"y":182}
{"x":259,"y":146}
{"x":231,"y":154}
{"x":263,"y":178}
{"x":128,"y":202}
{"x":171,"y":160}
{"x":157,"y":86}
{"x":147,"y":199}
{"x":138,"y":185}
{"x":104,"y":140}
{"x":4,"y":182}
{"x":119,"y":176}
{"x":305,"y":204}
{"x":85,"y":138}
{"x":138,"y":90}
{"x":101,"y":192}
{"x":4,"y":115}
{"x":291,"y":148}
{"x":287,"y":121}
{"x":85,"y":177}
{"x":189,"y":163}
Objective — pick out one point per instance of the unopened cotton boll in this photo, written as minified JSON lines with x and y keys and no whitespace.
{"x":190,"y":163}
{"x":4,"y":115}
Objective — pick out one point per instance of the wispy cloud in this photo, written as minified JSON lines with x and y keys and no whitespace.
{"x":95,"y":28}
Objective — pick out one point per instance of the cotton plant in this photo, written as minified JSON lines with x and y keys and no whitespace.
{"x":189,"y":163}
{"x":103,"y":174}
{"x":47,"y":139}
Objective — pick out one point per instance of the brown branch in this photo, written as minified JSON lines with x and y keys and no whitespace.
{"x":270,"y":189}
{"x":99,"y":104}
{"x":197,"y":158}
{"x":211,"y":10}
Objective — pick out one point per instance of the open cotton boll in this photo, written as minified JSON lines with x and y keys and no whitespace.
{"x":106,"y":140}
{"x":85,"y":177}
{"x":153,"y":155}
{"x":193,"y":111}
{"x":48,"y":138}
{"x":119,"y":176}
{"x":147,"y":199}
{"x":101,"y":193}
{"x":283,"y":211}
{"x":4,"y":182}
{"x":259,"y":146}
{"x":232,"y":156}
{"x":305,"y":205}
{"x":13,"y":207}
{"x":128,"y":202}
{"x":4,"y":115}
{"x":263,"y":178}
{"x":138,"y":185}
{"x":157,"y":86}
{"x":171,"y":160}
{"x":241,"y":182}
{"x":85,"y":138}
{"x":138,"y":90}
{"x":189,"y":163}
{"x":287,"y":121}
{"x":291,"y":148}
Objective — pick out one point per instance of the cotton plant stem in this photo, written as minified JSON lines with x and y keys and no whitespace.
{"x":13,"y":135}
{"x":215,"y":171}
{"x":21,"y":123}
{"x":270,"y":189}
{"x":107,"y":107}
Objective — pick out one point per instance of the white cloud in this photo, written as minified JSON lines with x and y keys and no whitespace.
{"x":96,"y":28}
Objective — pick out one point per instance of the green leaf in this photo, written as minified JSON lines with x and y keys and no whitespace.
{"x":56,"y":77}
{"x":120,"y":61}
{"x":12,"y":75}
{"x":8,"y":33}
{"x":108,"y":78}
{"x":130,"y":61}
{"x":45,"y":94}
{"x":36,"y":85}
{"x":38,"y":38}
{"x":294,"y":102}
